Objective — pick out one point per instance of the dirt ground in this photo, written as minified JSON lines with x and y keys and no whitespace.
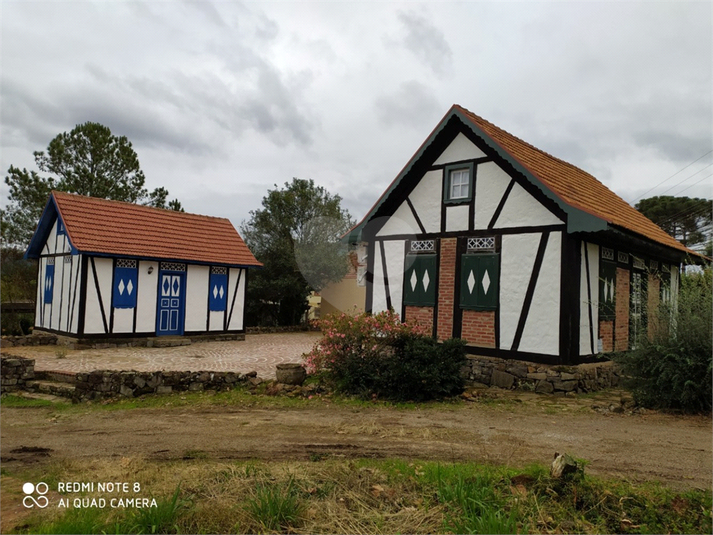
{"x":516,"y":430}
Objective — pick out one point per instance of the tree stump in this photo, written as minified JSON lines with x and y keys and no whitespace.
{"x":563,"y":466}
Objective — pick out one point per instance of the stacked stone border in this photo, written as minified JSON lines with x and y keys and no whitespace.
{"x":520,"y":375}
{"x":105,"y":383}
{"x":15,"y":372}
{"x":18,"y":373}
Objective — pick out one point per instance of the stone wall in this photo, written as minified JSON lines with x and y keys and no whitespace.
{"x":515,"y":374}
{"x":29,"y":340}
{"x":15,"y":372}
{"x":103,"y":383}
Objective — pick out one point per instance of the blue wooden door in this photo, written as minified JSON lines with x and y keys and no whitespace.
{"x":171,"y":303}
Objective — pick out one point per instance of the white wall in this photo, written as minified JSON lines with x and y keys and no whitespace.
{"x":461,"y":148}
{"x":541,"y":332}
{"x":146,"y":297}
{"x":490,"y":185}
{"x":402,"y":222}
{"x":426,"y":198}
{"x":197,"y":298}
{"x":457,"y":217}
{"x":93,"y":322}
{"x":56,"y":244}
{"x":585,"y":339}
{"x":378,"y":303}
{"x":394,"y":252}
{"x":522,"y":209}
{"x":238,"y":317}
{"x":123,"y":320}
{"x":74,"y":306}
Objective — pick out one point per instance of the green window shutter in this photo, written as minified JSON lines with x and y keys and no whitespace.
{"x":607,"y":290}
{"x":420,"y":280}
{"x":479,"y":281}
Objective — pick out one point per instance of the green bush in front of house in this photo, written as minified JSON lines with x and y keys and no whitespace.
{"x":672,"y":368}
{"x":378,"y":355}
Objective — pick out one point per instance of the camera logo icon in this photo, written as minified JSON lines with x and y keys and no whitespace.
{"x":30,"y":500}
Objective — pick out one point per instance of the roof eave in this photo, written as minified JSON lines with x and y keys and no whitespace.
{"x":49,"y":215}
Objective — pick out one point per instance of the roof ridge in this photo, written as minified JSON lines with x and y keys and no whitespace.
{"x":467,"y":111}
{"x":135,"y":205}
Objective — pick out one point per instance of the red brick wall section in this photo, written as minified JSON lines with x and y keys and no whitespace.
{"x":606,"y":333}
{"x":621,"y":336}
{"x":446,"y":288}
{"x":479,"y":327}
{"x":421,"y":315}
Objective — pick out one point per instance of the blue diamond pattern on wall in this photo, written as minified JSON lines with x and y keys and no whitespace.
{"x":217,"y":294}
{"x":176,"y":286}
{"x":166,"y":286}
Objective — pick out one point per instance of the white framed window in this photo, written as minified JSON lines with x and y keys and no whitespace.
{"x":460,"y":184}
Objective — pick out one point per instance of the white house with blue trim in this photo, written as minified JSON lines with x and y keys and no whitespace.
{"x":111,"y":270}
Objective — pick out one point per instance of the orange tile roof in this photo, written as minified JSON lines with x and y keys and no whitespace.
{"x":573,"y":186}
{"x":119,"y":228}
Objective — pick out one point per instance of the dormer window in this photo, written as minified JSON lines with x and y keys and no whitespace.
{"x":458,"y":183}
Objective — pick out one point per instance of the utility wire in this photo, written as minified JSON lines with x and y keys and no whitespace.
{"x":697,"y":182}
{"x":686,"y":179}
{"x":697,"y":212}
{"x":673,"y":175}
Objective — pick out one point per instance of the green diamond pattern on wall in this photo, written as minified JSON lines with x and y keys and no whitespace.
{"x":479,"y":287}
{"x":419,"y":289}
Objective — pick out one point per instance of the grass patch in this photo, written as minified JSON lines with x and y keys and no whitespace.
{"x":274,"y":508}
{"x":159,"y":519}
{"x":368,"y":496}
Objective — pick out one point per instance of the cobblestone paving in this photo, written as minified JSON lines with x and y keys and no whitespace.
{"x":258,"y":352}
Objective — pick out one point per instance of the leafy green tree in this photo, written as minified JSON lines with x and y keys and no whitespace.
{"x":296,"y":236}
{"x":684,"y":218}
{"x":18,"y":285}
{"x":88,"y":160}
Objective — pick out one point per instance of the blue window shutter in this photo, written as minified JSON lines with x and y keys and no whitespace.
{"x":49,"y":283}
{"x":218,"y":292}
{"x":125,"y":287}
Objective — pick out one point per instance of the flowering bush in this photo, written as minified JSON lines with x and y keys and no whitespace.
{"x":378,"y":354}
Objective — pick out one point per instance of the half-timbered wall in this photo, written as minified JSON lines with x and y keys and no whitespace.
{"x":102,"y":317}
{"x":57,"y":303}
{"x":529,"y":235}
{"x":589,"y":300}
{"x":530,"y":292}
{"x":69,"y":299}
{"x":558,"y":297}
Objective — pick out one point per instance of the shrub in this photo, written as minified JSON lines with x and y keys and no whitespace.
{"x":379,"y":355}
{"x":672,"y":367}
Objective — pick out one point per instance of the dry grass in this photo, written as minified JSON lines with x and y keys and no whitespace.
{"x":367,"y":496}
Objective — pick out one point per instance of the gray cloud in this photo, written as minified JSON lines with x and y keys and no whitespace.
{"x":426,"y":42}
{"x":412,"y":104}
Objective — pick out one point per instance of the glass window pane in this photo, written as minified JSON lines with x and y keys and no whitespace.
{"x":459,"y":184}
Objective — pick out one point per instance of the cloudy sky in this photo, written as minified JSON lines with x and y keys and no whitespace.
{"x":223,"y":100}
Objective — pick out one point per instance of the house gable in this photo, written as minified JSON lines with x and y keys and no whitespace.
{"x":496,"y":200}
{"x":51,"y":235}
